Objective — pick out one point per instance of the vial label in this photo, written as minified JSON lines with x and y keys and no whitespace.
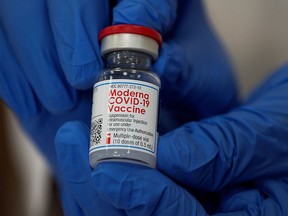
{"x":124,"y":116}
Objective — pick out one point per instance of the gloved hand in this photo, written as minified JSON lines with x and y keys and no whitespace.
{"x":138,"y":190}
{"x":245,"y":144}
{"x":261,"y":197}
{"x":132,"y":189}
{"x":76,"y":176}
{"x":249,"y":142}
{"x":196,"y":75}
{"x":36,"y":61}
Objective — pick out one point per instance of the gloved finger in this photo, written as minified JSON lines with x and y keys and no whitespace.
{"x":247,"y":143}
{"x":195,"y":72}
{"x":195,"y":83}
{"x":14,"y":89}
{"x":142,"y":191}
{"x":28,"y":33}
{"x":276,"y":189}
{"x":72,"y":142}
{"x":244,"y":201}
{"x":50,"y":123}
{"x":266,"y":197}
{"x":158,"y":15}
{"x":70,"y":206}
{"x":75,"y":26}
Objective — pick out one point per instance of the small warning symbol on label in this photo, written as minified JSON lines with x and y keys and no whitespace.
{"x":108,"y":138}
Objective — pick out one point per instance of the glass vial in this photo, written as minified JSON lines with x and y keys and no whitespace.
{"x":126,"y":97}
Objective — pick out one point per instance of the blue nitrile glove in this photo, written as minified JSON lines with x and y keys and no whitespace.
{"x":133,"y":189}
{"x":139,"y":190}
{"x":41,"y":60}
{"x":250,"y":142}
{"x":197,"y":76}
{"x":144,"y":191}
{"x":76,"y":171}
{"x":262,"y":197}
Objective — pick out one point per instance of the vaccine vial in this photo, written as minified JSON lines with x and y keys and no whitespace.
{"x":126,"y":97}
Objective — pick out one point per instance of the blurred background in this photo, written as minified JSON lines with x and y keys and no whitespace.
{"x":255,"y":36}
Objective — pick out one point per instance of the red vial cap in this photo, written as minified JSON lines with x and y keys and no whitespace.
{"x":132,"y":29}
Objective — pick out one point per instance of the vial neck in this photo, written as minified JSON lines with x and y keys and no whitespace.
{"x":129,"y":59}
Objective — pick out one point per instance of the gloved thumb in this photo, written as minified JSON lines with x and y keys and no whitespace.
{"x":72,"y":141}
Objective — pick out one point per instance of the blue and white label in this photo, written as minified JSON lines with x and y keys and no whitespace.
{"x":124,"y":115}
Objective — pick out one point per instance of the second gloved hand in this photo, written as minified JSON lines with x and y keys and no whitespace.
{"x":249,"y":142}
{"x":115,"y":188}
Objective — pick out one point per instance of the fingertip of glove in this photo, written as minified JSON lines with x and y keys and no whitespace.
{"x":83,"y":77}
{"x":104,"y":175}
{"x":71,"y":143}
{"x":115,"y":173}
{"x":190,"y":156}
{"x":61,"y":101}
{"x":169,"y":62}
{"x":158,"y":15}
{"x":70,"y":138}
{"x":114,"y":182}
{"x":174,"y":154}
{"x":72,"y":132}
{"x":80,"y":67}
